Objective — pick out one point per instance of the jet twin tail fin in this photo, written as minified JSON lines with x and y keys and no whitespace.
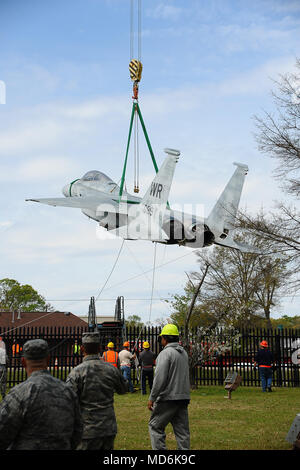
{"x":224,"y":212}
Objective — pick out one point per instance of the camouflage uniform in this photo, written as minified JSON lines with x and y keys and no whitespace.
{"x":95,"y":382}
{"x":41,"y":413}
{"x":3,"y":368}
{"x":3,"y":380}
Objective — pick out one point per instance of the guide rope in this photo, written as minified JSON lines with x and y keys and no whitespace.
{"x":151,"y":298}
{"x":112,"y":270}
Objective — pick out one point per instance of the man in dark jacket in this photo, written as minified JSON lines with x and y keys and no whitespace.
{"x":147,"y":361}
{"x":264,"y":360}
{"x":170,"y":394}
{"x":41,"y":413}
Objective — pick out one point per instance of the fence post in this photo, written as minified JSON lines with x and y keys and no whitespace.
{"x":220,"y":372}
{"x":278,"y":358}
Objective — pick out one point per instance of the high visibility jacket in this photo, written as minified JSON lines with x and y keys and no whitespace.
{"x":111,"y":356}
{"x":16,"y":349}
{"x":76,"y":348}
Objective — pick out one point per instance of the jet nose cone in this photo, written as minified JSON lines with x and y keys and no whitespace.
{"x":66,"y":190}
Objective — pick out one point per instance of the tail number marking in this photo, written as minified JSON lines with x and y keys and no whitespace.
{"x":156,"y":189}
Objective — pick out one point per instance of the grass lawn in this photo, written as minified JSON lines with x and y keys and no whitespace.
{"x":251,"y":420}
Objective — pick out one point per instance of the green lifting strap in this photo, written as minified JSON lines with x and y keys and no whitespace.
{"x":126,"y":157}
{"x":136,"y":108}
{"x":146,"y":137}
{"x":70,"y":188}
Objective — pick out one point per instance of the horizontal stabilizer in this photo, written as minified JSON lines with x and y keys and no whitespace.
{"x":230,"y":243}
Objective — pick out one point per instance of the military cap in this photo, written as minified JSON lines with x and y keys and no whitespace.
{"x":35,"y":349}
{"x":90,"y":338}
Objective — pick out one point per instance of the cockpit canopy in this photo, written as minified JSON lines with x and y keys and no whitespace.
{"x":95,"y":175}
{"x":100,"y":179}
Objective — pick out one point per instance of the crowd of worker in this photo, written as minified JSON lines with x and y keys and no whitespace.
{"x":46,"y":413}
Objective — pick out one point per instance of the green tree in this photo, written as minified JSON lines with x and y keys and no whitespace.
{"x":287,"y":322}
{"x":17,"y":297}
{"x":134,"y":321}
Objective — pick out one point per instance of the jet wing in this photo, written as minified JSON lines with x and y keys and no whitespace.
{"x":88,"y":202}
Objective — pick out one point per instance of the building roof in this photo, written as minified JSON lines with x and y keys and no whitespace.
{"x":100,"y":319}
{"x":8,"y":320}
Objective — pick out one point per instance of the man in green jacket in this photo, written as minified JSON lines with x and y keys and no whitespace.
{"x":170,"y":394}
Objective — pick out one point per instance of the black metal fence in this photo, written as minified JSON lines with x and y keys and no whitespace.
{"x":65,"y":354}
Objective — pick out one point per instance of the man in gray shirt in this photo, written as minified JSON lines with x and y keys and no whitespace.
{"x":41,"y":413}
{"x":170,"y":394}
{"x":95,"y":383}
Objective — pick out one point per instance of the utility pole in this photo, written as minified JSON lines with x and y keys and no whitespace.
{"x":92,"y":315}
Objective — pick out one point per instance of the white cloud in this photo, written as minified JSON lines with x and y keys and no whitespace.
{"x":165,"y":12}
{"x":29,"y":135}
{"x":237,"y":38}
{"x":258,"y":80}
{"x":94,"y":109}
{"x":41,"y":169}
{"x":50,"y":126}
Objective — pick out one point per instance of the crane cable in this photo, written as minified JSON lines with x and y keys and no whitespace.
{"x":135,"y":68}
{"x":139,"y":28}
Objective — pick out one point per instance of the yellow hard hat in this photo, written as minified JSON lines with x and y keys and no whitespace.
{"x":169,"y":330}
{"x":110,"y":345}
{"x":146,"y":345}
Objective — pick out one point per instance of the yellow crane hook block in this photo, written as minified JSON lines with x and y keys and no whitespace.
{"x":135,"y":69}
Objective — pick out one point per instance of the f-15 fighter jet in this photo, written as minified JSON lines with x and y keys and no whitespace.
{"x":151,"y":217}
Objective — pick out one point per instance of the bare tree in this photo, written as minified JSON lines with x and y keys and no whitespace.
{"x":196,"y":292}
{"x":281,"y":229}
{"x":246,"y":284}
{"x":279,"y":136}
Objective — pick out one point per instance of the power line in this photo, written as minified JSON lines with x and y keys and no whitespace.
{"x":150,"y":270}
{"x":153,"y":275}
{"x":106,"y":300}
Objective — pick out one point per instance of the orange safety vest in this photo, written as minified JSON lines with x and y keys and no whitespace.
{"x":112,"y":357}
{"x":16,"y":349}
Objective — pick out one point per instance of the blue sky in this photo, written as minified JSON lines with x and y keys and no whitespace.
{"x":207,"y":70}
